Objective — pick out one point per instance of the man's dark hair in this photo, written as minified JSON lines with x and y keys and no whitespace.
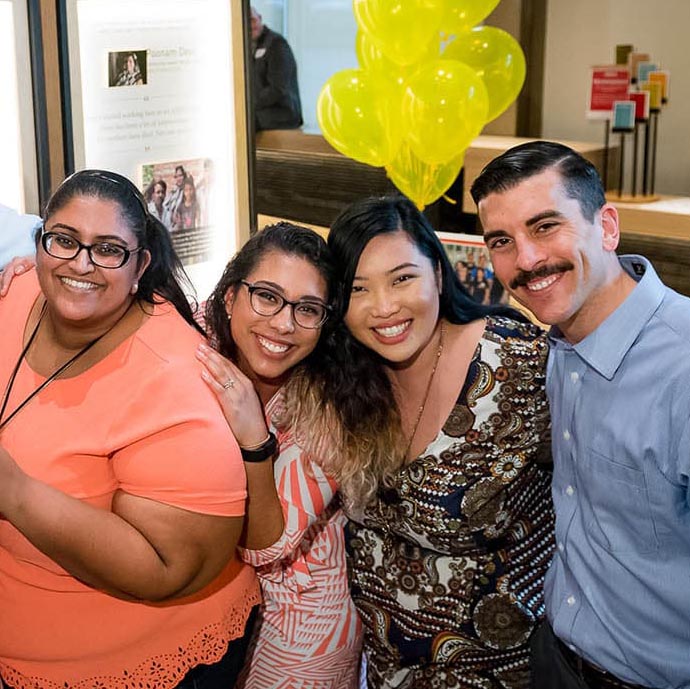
{"x":581,"y":180}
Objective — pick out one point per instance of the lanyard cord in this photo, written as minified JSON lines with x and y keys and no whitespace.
{"x":47,"y":381}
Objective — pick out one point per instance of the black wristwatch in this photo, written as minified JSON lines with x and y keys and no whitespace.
{"x":265,"y":451}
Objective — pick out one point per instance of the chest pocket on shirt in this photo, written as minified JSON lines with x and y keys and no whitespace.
{"x":621,"y":516}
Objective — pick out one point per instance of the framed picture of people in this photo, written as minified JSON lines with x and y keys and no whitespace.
{"x":470,"y":258}
{"x":156,"y":89}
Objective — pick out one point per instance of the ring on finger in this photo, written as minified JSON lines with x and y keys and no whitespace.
{"x":229,"y":383}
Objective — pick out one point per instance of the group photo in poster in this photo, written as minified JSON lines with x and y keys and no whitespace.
{"x":178,"y":193}
{"x":127,"y":68}
{"x":470,"y":258}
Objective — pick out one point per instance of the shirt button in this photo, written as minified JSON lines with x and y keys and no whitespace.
{"x":566,"y":434}
{"x":570,"y":600}
{"x":574,"y":376}
{"x":560,"y":547}
{"x":569,"y":490}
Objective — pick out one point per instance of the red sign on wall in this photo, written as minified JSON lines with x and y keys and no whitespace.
{"x":609,"y":83}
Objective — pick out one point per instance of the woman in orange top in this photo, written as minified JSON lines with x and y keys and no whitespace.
{"x":122,"y":489}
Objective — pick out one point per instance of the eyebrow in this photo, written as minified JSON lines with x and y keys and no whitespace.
{"x":277,"y":288}
{"x":402,"y":266}
{"x":544,"y":215}
{"x":98,"y":238}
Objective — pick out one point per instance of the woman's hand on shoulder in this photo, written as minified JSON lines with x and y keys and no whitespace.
{"x":238,"y":398}
{"x":16,"y":266}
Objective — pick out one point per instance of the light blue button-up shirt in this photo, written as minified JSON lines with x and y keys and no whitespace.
{"x":16,"y":234}
{"x":618,"y":589}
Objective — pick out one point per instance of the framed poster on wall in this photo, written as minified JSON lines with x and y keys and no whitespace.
{"x":470,"y":258}
{"x":18,"y":171}
{"x":155,"y":91}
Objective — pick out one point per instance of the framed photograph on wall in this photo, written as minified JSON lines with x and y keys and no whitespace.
{"x":470,"y":258}
{"x":18,"y":172}
{"x":156,"y":85}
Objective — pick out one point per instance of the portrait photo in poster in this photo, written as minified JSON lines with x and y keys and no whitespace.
{"x":179,"y":194}
{"x":470,"y":258}
{"x":127,"y":68}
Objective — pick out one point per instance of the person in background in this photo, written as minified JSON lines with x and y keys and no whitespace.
{"x":174,"y":198}
{"x":275,"y":89}
{"x":450,"y":522}
{"x":16,"y":234}
{"x":480,"y":287}
{"x":156,"y":204}
{"x":187,"y":215}
{"x":268,"y":317}
{"x":130,"y":75}
{"x":617,"y":597}
{"x":122,"y":490}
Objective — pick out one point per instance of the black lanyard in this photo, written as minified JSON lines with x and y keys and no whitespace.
{"x":46,"y":382}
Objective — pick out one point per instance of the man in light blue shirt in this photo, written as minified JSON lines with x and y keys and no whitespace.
{"x":618,"y":379}
{"x":16,"y":234}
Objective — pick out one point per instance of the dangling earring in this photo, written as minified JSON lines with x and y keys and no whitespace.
{"x":135,"y":288}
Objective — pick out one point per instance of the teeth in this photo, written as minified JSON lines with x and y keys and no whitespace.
{"x":393,"y":330}
{"x":542,"y":284}
{"x":272,"y":346}
{"x":78,"y":284}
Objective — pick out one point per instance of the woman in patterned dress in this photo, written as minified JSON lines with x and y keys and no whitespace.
{"x":268,"y":317}
{"x":451,"y":531}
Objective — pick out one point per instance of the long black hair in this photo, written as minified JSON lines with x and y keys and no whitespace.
{"x":363,"y":220}
{"x":164,"y":277}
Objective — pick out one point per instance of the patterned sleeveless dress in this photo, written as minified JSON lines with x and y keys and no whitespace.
{"x":447,"y":566}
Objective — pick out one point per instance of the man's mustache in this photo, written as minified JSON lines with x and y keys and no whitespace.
{"x":525,"y":276}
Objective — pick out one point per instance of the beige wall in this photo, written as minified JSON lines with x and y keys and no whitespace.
{"x":585,"y":32}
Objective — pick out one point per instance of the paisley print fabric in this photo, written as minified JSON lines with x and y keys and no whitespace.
{"x":447,"y":567}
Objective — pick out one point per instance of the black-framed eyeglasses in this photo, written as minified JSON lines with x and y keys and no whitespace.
{"x":101,"y":254}
{"x":267,"y":302}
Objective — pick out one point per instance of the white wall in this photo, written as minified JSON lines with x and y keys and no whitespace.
{"x":582,"y":33}
{"x":322,"y":35}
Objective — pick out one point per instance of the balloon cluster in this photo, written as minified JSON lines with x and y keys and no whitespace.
{"x":414,"y":107}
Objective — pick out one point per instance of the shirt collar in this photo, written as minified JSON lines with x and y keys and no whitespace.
{"x":604,"y":348}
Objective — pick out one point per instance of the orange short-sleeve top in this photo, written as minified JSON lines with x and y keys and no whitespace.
{"x":143,"y":421}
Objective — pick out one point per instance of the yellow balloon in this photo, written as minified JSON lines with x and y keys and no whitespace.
{"x":461,"y":15}
{"x":497,"y":58}
{"x":373,"y":59}
{"x":401,"y":29}
{"x":358,"y":116}
{"x":444,"y":108}
{"x":420,"y":182}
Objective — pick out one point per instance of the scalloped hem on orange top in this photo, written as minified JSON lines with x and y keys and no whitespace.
{"x":164,"y":671}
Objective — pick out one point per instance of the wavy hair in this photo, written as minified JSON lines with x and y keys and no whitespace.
{"x":350,"y":403}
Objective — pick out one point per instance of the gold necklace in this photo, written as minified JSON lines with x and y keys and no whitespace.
{"x":420,"y":412}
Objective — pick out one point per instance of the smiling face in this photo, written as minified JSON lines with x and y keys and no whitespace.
{"x":548,"y":255}
{"x":179,"y":177}
{"x":268,"y":347}
{"x":130,"y":64}
{"x":80,"y":294}
{"x":158,"y":195}
{"x":394,"y":305}
{"x":188,"y":192}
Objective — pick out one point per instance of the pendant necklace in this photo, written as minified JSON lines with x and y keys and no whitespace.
{"x":47,"y":381}
{"x":420,"y":412}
